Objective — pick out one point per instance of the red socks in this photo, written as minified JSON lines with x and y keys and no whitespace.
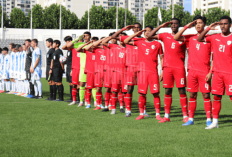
{"x":208,"y":107}
{"x":114,"y":99}
{"x":216,"y":106}
{"x":167,"y":103}
{"x":142,"y":103}
{"x":184,"y":104}
{"x":107,"y":98}
{"x":192,"y":107}
{"x":120,"y":98}
{"x":74,"y":94}
{"x":128,"y":100}
{"x":110,"y":101}
{"x":98,"y":98}
{"x":157,"y":104}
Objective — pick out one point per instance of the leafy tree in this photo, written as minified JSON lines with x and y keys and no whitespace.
{"x":214,"y":15}
{"x":6,"y":20}
{"x":37,"y":17}
{"x":18,"y":19}
{"x":73,"y":21}
{"x":151,"y":17}
{"x":51,"y":17}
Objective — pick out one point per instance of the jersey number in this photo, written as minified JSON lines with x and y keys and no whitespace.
{"x":182,"y":81}
{"x":207,"y":86}
{"x":103,"y":58}
{"x":198,"y":46}
{"x":147,"y":51}
{"x":173,"y":45}
{"x":155,"y":86}
{"x":222,"y":48}
{"x":230,"y":88}
{"x":93,"y":57}
{"x":121,"y":55}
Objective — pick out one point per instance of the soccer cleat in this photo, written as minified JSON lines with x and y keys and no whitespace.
{"x":128,"y":114}
{"x":19,"y":93}
{"x":146,"y":115}
{"x":73,"y":103}
{"x":102,"y":107}
{"x":164,"y":120}
{"x":15,"y":93}
{"x":97,"y":108}
{"x":80,"y":104}
{"x":189,"y":122}
{"x":30,"y":96}
{"x":110,"y":108}
{"x":39,"y":97}
{"x":121,"y":110}
{"x":185,"y":120}
{"x":113,"y":111}
{"x":88,"y":106}
{"x":2,"y":91}
{"x":140,"y":117}
{"x":212,"y":125}
{"x":105,"y":110}
{"x":158,"y":117}
{"x":208,"y":123}
{"x":25,"y":95}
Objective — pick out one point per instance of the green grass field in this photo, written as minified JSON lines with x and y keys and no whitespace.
{"x":31,"y":127}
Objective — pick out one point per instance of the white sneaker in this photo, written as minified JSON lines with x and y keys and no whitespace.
{"x":73,"y":103}
{"x":213,"y":125}
{"x":95,"y":104}
{"x":86,"y":104}
{"x":80,"y":104}
{"x":113,"y":111}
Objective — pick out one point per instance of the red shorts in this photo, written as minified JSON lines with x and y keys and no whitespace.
{"x":196,"y":79}
{"x":221,"y":81}
{"x":75,"y":76}
{"x":118,"y":81}
{"x":108,"y":78}
{"x":171,"y":74}
{"x":98,"y":81}
{"x":147,"y":78}
{"x":90,"y":81}
{"x":131,"y":75}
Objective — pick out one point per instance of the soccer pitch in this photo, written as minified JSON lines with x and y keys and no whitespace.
{"x":31,"y":127}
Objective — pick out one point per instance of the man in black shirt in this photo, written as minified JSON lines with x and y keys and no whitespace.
{"x":57,"y":70}
{"x":51,"y":83}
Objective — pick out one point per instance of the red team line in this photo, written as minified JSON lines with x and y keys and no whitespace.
{"x":134,"y":61}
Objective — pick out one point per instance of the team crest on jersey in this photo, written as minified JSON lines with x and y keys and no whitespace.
{"x":228,"y":42}
{"x":153,"y":46}
{"x":180,"y":42}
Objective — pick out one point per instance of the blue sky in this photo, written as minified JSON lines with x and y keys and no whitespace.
{"x":188,"y":5}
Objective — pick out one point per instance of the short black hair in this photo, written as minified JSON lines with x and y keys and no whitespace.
{"x":35,"y":40}
{"x":5,"y":49}
{"x":13,"y":45}
{"x":50,"y":40}
{"x":68,"y":38}
{"x":102,"y":37}
{"x":112,"y":33}
{"x":95,"y":38}
{"x":138,"y":24}
{"x":176,"y":20}
{"x":57,"y":42}
{"x":18,"y":46}
{"x":87,"y":33}
{"x":226,"y":17}
{"x":23,"y":43}
{"x":149,"y":27}
{"x":29,"y":40}
{"x":200,"y":17}
{"x":0,"y":50}
{"x":123,"y":33}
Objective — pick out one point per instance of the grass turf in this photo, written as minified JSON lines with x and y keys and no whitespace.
{"x":43,"y":128}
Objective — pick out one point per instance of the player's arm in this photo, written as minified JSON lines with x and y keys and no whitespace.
{"x":128,"y":40}
{"x":115,"y":35}
{"x":65,"y":47}
{"x":80,"y":48}
{"x":106,"y":40}
{"x":36,"y":63}
{"x":161,"y":62}
{"x":202,"y":35}
{"x":178,"y":36}
{"x":153,"y":34}
{"x":51,"y":67}
{"x":209,"y":75}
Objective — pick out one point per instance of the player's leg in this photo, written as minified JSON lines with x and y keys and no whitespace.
{"x":75,"y":89}
{"x":208,"y":107}
{"x":184,"y":103}
{"x":98,"y":98}
{"x":38,"y":85}
{"x":82,"y":79}
{"x":115,"y":90}
{"x":94,"y":93}
{"x":107,"y":99}
{"x":107,"y":85}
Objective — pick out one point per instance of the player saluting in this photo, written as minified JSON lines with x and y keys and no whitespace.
{"x":148,"y":52}
{"x":173,"y":68}
{"x":222,"y":63}
{"x":199,"y":73}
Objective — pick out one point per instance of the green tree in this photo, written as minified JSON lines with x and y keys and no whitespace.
{"x":214,"y":15}
{"x":51,"y":17}
{"x":73,"y":21}
{"x":37,"y":17}
{"x":151,"y":17}
{"x":6,"y":20}
{"x":18,"y":19}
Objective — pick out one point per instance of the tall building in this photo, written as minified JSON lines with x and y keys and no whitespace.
{"x":208,"y":4}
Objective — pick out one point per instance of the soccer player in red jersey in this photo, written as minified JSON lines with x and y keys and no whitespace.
{"x":199,"y":73}
{"x":222,"y":63}
{"x":173,"y":68}
{"x":148,"y":52}
{"x":117,"y":60}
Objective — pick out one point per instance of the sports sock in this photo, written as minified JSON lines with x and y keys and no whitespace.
{"x":142,"y":102}
{"x":88,"y":96}
{"x":157,"y":105}
{"x":107,"y":98}
{"x":78,"y":94}
{"x":39,"y":87}
{"x":61,"y":90}
{"x":208,"y":107}
{"x":51,"y":92}
{"x":114,"y":99}
{"x":8,"y":83}
{"x":216,"y":107}
{"x":94,"y":92}
{"x":120,"y":98}
{"x":54,"y":92}
{"x":27,"y":87}
{"x":110,"y":101}
{"x":101,"y":99}
{"x":36,"y":89}
{"x":184,"y":104}
{"x":3,"y":85}
{"x":70,"y":90}
{"x":82,"y":94}
{"x":74,"y":94}
{"x":32,"y":91}
{"x":98,"y":99}
{"x":128,"y":100}
{"x":167,"y":104}
{"x":192,"y":107}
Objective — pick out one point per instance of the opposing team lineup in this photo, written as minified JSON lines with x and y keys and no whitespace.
{"x":119,"y":62}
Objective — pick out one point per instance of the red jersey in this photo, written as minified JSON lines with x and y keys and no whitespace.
{"x":100,"y":59}
{"x":109,"y":63}
{"x":174,"y":51}
{"x":90,"y":62}
{"x":222,"y":52}
{"x":119,"y":58}
{"x":132,"y":52}
{"x":199,"y":54}
{"x":148,"y":55}
{"x":75,"y":59}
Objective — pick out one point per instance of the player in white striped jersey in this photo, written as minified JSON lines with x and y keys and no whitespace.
{"x":1,"y":71}
{"x":12,"y":47}
{"x":6,"y":69}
